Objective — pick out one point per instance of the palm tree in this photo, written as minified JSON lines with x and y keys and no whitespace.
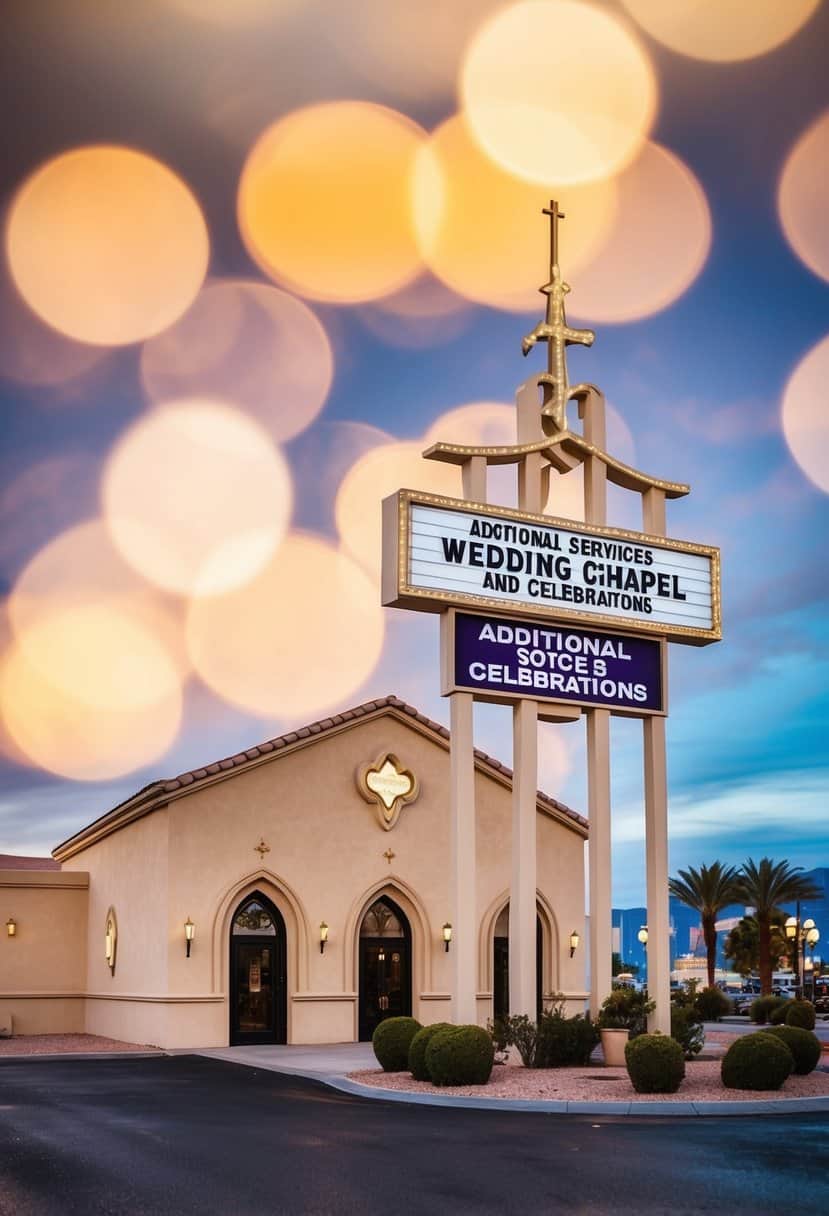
{"x":765,"y":887}
{"x":707,"y":890}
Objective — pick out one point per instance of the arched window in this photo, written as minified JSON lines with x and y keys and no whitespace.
{"x":253,"y":919}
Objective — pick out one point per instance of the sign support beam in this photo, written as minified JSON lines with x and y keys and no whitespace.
{"x":464,"y":898}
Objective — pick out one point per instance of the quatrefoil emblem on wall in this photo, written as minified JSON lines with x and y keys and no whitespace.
{"x":388,"y":785}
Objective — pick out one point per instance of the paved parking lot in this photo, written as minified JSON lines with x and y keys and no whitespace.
{"x":175,"y":1136}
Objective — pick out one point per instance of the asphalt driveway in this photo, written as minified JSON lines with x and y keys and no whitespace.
{"x":185,"y":1134}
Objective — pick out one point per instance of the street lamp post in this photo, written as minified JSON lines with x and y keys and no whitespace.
{"x":801,"y":935}
{"x":642,"y":936}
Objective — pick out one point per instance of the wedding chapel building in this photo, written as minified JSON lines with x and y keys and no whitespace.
{"x":297,"y":892}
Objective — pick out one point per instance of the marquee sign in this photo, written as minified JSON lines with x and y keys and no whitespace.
{"x":502,"y":658}
{"x":440,"y":552}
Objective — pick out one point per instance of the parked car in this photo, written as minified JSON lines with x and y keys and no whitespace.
{"x":821,"y":995}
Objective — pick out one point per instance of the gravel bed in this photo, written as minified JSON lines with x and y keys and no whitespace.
{"x":64,"y":1044}
{"x":598,"y":1084}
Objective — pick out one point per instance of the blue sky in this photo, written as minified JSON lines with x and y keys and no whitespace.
{"x":699,"y":385}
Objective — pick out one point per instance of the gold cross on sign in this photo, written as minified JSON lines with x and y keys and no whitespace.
{"x":558,"y":335}
{"x":389,"y":856}
{"x":555,"y":215}
{"x":262,"y":848}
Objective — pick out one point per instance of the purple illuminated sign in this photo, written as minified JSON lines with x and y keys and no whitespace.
{"x":516,"y":658}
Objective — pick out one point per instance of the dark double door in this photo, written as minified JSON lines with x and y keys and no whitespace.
{"x":258,"y":984}
{"x":500,"y":974}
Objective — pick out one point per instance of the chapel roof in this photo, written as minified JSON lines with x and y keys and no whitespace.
{"x":159,"y":793}
{"x":13,"y":861}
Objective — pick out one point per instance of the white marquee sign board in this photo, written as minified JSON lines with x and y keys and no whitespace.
{"x":443,"y":551}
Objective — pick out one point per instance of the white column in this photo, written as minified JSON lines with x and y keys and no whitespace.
{"x":656,"y":827}
{"x":463,"y":949}
{"x":599,"y":853}
{"x":656,"y":845}
{"x":522,"y":907}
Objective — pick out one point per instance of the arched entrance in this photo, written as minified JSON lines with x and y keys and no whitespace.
{"x":385,"y":976}
{"x":258,"y":973}
{"x":500,"y":965}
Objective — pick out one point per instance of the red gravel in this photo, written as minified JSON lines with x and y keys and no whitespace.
{"x":598,"y":1084}
{"x":64,"y":1044}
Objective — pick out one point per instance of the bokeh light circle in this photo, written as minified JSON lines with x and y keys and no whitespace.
{"x":295,"y":641}
{"x":426,"y":313}
{"x":481,"y":230}
{"x":73,"y":738}
{"x":323,"y":203}
{"x":412,"y":50}
{"x":721,"y":30}
{"x":196,"y":497}
{"x":379,"y":472}
{"x":77,"y":594}
{"x":558,"y":90}
{"x":250,"y":345}
{"x":106,"y":244}
{"x":803,"y":197}
{"x":806,"y":417}
{"x":655,"y":249}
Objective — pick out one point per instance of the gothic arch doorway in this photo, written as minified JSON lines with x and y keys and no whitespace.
{"x":258,"y":973}
{"x":385,"y":967}
{"x":500,"y":965}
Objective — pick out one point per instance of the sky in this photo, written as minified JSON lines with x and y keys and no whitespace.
{"x":257,"y":255}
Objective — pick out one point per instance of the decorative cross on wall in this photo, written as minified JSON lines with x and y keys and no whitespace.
{"x":389,"y":856}
{"x":262,"y":848}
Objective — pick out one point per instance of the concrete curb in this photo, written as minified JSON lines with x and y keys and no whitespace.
{"x":656,"y":1108}
{"x":774,"y":1106}
{"x":83,"y":1055}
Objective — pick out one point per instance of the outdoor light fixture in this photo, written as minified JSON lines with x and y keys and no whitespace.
{"x":108,"y":945}
{"x":574,"y":943}
{"x":801,"y":934}
{"x":643,"y":936}
{"x":791,"y":928}
{"x":447,"y":936}
{"x":189,"y":934}
{"x":323,"y":936}
{"x":11,"y":926}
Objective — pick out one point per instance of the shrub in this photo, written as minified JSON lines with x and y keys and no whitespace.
{"x":460,"y":1055}
{"x":777,"y":1017}
{"x":391,"y":1042}
{"x":712,"y":1004}
{"x":626,"y":1009}
{"x":804,"y":1046}
{"x":417,"y":1049}
{"x":655,"y":1064}
{"x":756,"y":1061}
{"x":687,"y":1029}
{"x":518,"y":1032}
{"x":801,"y":1013}
{"x":762,"y":1008}
{"x":564,"y":1041}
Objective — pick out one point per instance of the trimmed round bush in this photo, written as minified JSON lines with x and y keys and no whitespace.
{"x":804,"y":1046}
{"x":763,"y":1007}
{"x":391,"y":1042}
{"x":801,"y":1014}
{"x":712,"y":1004}
{"x":777,"y":1017}
{"x":756,"y":1061}
{"x":655,"y":1064}
{"x":417,"y":1049}
{"x":460,"y":1055}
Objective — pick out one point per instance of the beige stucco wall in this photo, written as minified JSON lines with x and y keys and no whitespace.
{"x":128,"y":872}
{"x":43,"y":967}
{"x":197,"y":857}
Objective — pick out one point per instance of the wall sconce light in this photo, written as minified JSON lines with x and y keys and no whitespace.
{"x":447,"y":936}
{"x":574,"y":943}
{"x":11,"y":927}
{"x":323,"y":936}
{"x":110,"y":939}
{"x":189,"y":934}
{"x":642,"y":935}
